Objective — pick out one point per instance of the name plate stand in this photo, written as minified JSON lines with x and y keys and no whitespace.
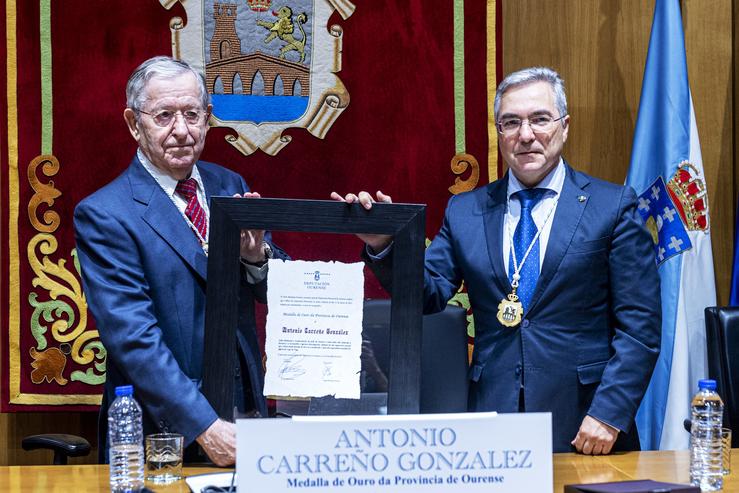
{"x":505,"y":453}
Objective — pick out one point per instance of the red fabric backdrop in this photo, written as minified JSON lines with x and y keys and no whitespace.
{"x":397,"y":133}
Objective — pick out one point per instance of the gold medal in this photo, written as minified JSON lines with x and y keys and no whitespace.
{"x":510,"y":311}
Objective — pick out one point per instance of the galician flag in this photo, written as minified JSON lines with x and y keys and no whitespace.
{"x":666,"y":171}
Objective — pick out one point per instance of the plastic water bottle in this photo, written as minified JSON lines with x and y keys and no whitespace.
{"x":126,"y":441}
{"x":707,"y":410}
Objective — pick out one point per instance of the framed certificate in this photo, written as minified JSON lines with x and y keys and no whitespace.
{"x":229,"y":215}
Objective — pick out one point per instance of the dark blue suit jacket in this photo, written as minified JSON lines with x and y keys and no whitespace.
{"x":590,"y":339}
{"x":144,"y":275}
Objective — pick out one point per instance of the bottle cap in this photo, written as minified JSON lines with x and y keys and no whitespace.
{"x":707,"y":384}
{"x":128,"y":390}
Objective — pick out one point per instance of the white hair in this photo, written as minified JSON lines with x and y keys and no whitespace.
{"x":162,"y":67}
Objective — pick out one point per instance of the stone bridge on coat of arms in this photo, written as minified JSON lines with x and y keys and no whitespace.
{"x":247,"y":67}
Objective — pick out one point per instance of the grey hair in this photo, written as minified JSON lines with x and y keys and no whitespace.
{"x":529,"y":76}
{"x":160,"y":67}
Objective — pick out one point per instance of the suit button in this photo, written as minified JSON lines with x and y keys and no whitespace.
{"x":518,"y":370}
{"x":525,"y":323}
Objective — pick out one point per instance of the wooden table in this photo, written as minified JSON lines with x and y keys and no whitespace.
{"x":568,"y":469}
{"x":665,"y":466}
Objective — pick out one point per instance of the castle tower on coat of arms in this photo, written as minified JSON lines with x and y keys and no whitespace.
{"x":225,"y":41}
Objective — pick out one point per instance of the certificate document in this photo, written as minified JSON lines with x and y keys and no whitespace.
{"x":314,"y":329}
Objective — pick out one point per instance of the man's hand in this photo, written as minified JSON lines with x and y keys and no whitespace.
{"x":219,"y":442}
{"x":252,"y":241}
{"x":376,"y":242}
{"x":595,"y":437}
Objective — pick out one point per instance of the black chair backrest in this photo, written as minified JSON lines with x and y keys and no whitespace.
{"x":443,"y":354}
{"x":64,"y":446}
{"x":722,"y":340}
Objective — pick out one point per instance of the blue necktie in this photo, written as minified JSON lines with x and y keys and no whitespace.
{"x":522,"y":238}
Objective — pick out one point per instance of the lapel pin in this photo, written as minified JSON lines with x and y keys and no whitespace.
{"x":581,"y":198}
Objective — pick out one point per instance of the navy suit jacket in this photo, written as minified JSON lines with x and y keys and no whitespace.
{"x":591,"y":336}
{"x":144,"y":275}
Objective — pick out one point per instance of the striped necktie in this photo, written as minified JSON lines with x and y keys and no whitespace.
{"x":188,"y":189}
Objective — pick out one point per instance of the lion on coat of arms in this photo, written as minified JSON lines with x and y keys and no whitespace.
{"x":283,"y":29}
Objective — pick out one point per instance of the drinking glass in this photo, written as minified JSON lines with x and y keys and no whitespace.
{"x":164,"y":457}
{"x":726,"y":449}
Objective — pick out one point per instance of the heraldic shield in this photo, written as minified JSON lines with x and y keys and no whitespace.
{"x":269,"y":65}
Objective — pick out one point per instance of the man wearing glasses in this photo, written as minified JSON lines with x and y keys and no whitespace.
{"x":561,"y":277}
{"x":143,"y":242}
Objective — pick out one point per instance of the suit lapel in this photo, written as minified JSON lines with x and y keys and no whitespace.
{"x":164,"y":218}
{"x":494,"y":219}
{"x":566,"y":219}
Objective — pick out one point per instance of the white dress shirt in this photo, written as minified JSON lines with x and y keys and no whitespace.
{"x":169,"y":185}
{"x":547,"y":206}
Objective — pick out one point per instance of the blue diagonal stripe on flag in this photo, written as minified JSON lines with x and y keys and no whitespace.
{"x":660,"y":215}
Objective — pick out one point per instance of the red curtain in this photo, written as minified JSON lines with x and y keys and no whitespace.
{"x":397,"y":135}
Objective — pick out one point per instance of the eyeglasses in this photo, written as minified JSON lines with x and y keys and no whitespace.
{"x":165,"y":118}
{"x":537,"y":124}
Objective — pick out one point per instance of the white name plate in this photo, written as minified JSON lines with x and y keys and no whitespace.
{"x":431,"y":452}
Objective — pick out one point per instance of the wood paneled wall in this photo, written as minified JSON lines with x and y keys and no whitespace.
{"x":600,"y":47}
{"x":13,"y":427}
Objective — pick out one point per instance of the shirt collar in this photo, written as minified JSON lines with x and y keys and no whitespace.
{"x":165,"y":181}
{"x":554,"y":181}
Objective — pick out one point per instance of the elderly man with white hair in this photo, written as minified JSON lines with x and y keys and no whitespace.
{"x":143,"y":242}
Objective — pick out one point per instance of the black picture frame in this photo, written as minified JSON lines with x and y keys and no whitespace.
{"x":229,"y":215}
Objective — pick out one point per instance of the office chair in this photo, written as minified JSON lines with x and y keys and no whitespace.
{"x":722,"y":340}
{"x":444,"y":364}
{"x":64,"y":446}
